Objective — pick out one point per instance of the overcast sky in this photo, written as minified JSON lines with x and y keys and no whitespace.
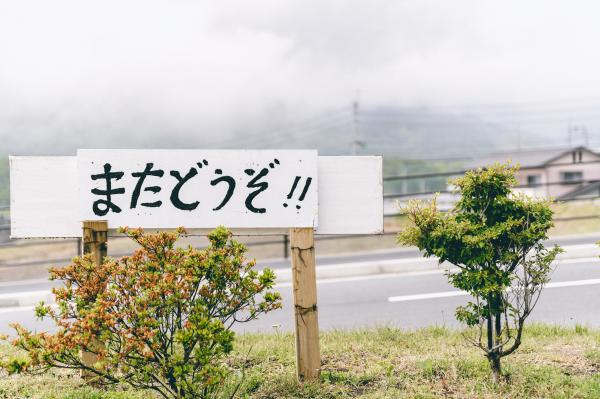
{"x":73,"y":70}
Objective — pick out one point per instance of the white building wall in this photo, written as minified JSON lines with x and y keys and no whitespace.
{"x":551,"y":177}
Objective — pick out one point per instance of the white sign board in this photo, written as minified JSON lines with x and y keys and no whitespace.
{"x":45,"y":199}
{"x":199,"y":188}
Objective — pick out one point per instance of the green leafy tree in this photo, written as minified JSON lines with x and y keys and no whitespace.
{"x":160,"y":319}
{"x":495,"y":238}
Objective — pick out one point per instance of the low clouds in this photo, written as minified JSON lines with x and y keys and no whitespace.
{"x":130,"y":73}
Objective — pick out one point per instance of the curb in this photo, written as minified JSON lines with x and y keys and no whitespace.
{"x":8,"y":303}
{"x":367,"y":269}
{"x":28,"y":298}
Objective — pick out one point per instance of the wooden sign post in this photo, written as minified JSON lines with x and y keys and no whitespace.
{"x":304,"y":277}
{"x":95,"y":237}
{"x":252,"y":192}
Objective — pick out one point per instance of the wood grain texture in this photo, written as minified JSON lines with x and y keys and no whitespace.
{"x":95,"y":237}
{"x":308,"y":357}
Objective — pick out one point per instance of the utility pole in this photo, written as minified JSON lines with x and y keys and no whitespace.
{"x":355,"y":132}
{"x":575,"y":130}
{"x":518,"y":137}
{"x":570,"y":133}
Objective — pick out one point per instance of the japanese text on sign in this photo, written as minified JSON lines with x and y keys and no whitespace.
{"x":199,"y":188}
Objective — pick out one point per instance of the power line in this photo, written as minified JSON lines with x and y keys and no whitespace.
{"x":463,"y":171}
{"x":307,"y":133}
{"x":299,"y":126}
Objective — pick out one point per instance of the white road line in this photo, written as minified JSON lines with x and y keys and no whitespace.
{"x":576,"y":260}
{"x":446,"y":294}
{"x":418,"y":297}
{"x":573,"y":283}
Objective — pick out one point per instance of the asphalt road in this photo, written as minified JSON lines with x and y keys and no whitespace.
{"x":426,"y":299}
{"x":411,"y":300}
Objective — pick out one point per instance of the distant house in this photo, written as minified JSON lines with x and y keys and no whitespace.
{"x":560,"y":174}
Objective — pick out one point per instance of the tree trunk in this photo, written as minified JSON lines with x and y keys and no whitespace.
{"x":490,"y":334}
{"x":494,"y":337}
{"x":498,"y":329}
{"x":495,"y":360}
{"x":496,"y":367}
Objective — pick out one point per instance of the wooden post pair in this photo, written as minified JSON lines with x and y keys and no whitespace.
{"x":308,"y":358}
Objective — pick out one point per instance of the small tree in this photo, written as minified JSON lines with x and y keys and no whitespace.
{"x":495,"y":238}
{"x":160,"y":319}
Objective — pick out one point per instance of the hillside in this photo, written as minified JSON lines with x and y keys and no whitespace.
{"x":415,"y":133}
{"x":413,"y":140}
{"x":4,"y":181}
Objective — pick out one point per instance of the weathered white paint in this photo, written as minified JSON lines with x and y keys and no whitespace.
{"x":44,"y":197}
{"x":269,"y":209}
{"x":350,"y":195}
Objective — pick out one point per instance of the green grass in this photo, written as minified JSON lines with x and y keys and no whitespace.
{"x":553,"y":362}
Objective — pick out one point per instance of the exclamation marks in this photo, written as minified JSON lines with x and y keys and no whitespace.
{"x":304,"y":190}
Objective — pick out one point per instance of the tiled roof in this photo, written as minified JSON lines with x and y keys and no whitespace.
{"x":589,"y":190}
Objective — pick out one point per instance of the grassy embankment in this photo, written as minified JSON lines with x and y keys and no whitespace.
{"x":554,"y":362}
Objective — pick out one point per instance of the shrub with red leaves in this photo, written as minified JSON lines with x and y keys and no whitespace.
{"x":160,"y":319}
